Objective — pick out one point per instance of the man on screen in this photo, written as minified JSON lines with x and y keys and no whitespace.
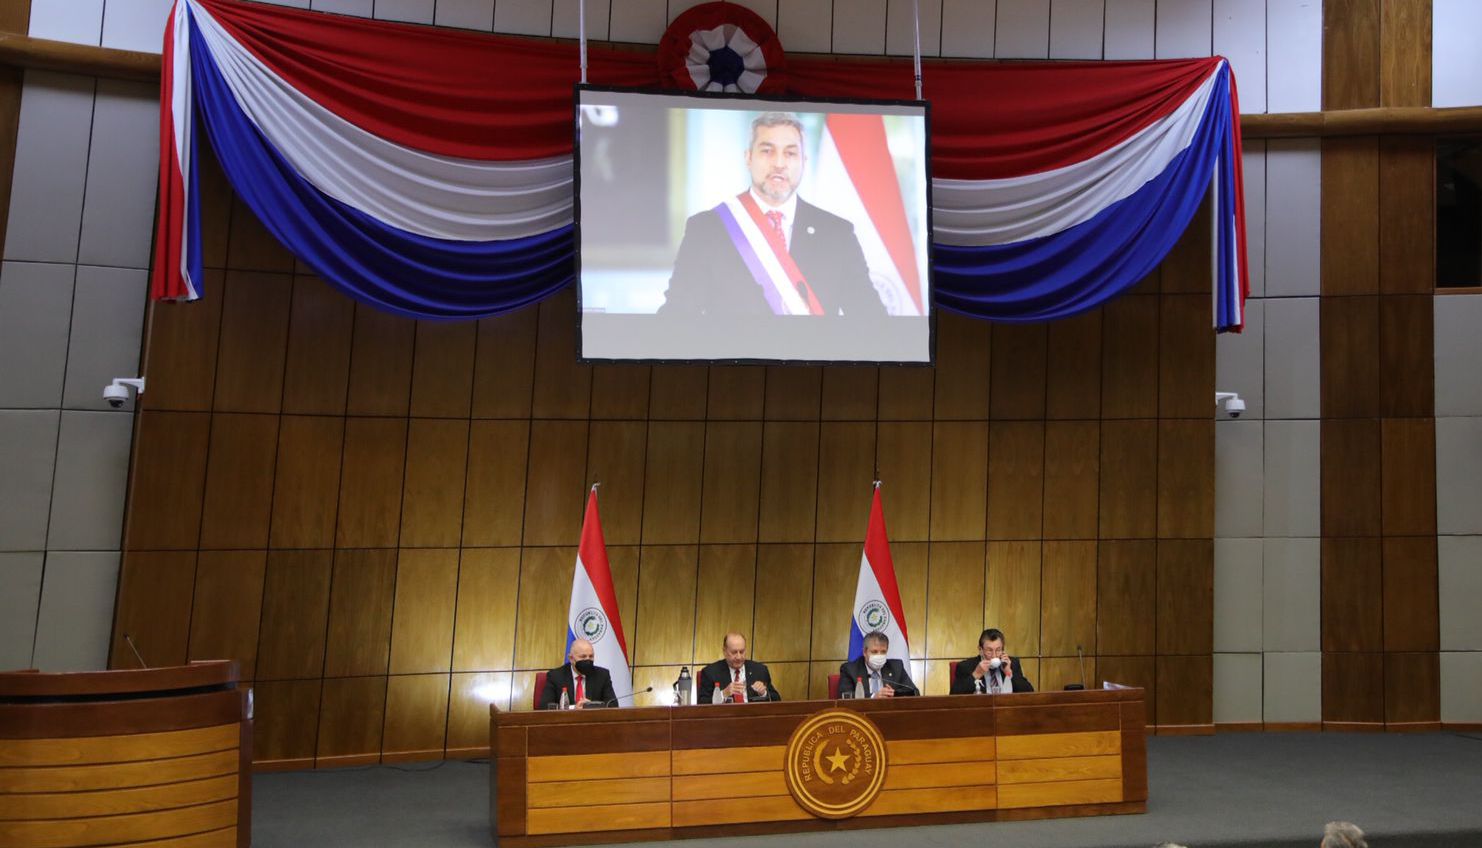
{"x":992,"y":671}
{"x":738,"y":678}
{"x":584,"y":681}
{"x":768,"y":251}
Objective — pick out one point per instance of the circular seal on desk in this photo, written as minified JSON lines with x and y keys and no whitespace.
{"x":835,"y":764}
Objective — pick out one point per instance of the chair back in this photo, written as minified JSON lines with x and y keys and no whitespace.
{"x":539,"y":688}
{"x":833,"y":686}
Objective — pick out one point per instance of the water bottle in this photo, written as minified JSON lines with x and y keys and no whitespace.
{"x":683,"y":687}
{"x":565,"y":699}
{"x":859,"y":688}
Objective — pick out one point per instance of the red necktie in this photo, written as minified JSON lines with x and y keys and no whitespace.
{"x":581,"y":690}
{"x":776,"y":218}
{"x":741,"y":696}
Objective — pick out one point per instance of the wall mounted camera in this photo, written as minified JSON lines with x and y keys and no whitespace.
{"x":1231,"y":401}
{"x":117,"y":392}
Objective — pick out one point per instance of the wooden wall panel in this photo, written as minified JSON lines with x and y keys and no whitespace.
{"x":1129,"y":357}
{"x":1129,"y":485}
{"x":1351,"y":491}
{"x":963,"y":368}
{"x":1350,"y":357}
{"x":295,"y":611}
{"x":416,"y":714}
{"x":1016,"y":465}
{"x":1020,"y":363}
{"x":794,"y":393}
{"x":216,"y":208}
{"x":494,"y":499}
{"x":254,"y":342}
{"x":1408,"y":476}
{"x":672,"y":482}
{"x":1130,"y":671}
{"x":849,"y":393}
{"x":1185,"y":355}
{"x":1405,"y":53}
{"x":783,"y":609}
{"x":846,"y":465}
{"x":442,"y":369}
{"x":227,"y":608}
{"x":1185,"y":596}
{"x":667,"y":578}
{"x":1352,"y":580}
{"x":1350,"y":215}
{"x":616,"y":452}
{"x":504,"y":365}
{"x":1073,"y":369}
{"x":1072,"y":479}
{"x":154,"y":598}
{"x":544,"y":594}
{"x":1186,"y":478}
{"x":903,"y":457}
{"x":911,"y":571}
{"x":1410,"y":594}
{"x":422,"y":617}
{"x":166,"y":481}
{"x":1012,"y":598}
{"x":620,"y":392}
{"x":954,"y":596}
{"x":316,"y":373}
{"x":959,"y":480}
{"x":724,"y":593}
{"x":1126,"y":576}
{"x":1412,"y":688}
{"x":484,"y":627}
{"x":678,"y":393}
{"x":555,"y":489}
{"x":1188,"y":266}
{"x":469,"y":698}
{"x":380,"y":363}
{"x":563,"y":387}
{"x":1407,"y":351}
{"x":1352,"y":688}
{"x":835,"y":568}
{"x":1068,"y":599}
{"x":1350,"y":55}
{"x":1055,"y":673}
{"x":361,"y":594}
{"x":250,"y":247}
{"x":352,"y":713}
{"x":1407,"y":214}
{"x":286,"y":725}
{"x":370,"y":482}
{"x":306,"y":481}
{"x":789,"y":482}
{"x":432,"y":497}
{"x":180,"y":358}
{"x":735,"y":393}
{"x":238,"y":500}
{"x":1185,"y":691}
{"x":906,"y":393}
{"x":732,"y":481}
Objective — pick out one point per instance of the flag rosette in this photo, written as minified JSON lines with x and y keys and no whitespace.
{"x":722,"y":47}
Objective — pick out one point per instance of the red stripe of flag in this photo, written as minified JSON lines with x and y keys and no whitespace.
{"x":166,"y":282}
{"x":877,"y":553}
{"x":861,"y":142}
{"x":593,"y":556}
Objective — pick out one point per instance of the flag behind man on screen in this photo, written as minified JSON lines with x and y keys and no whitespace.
{"x":877,"y":598}
{"x":594,"y":611}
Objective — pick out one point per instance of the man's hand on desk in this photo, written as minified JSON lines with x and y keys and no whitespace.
{"x":886,"y":691}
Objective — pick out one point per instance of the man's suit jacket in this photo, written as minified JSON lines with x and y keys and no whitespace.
{"x":893,"y":672}
{"x":717,"y":675}
{"x":964,"y":684}
{"x":598,"y":686}
{"x":710,"y":277}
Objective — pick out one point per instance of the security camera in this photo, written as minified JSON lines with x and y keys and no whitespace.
{"x":1232,"y":403}
{"x":117,"y":392}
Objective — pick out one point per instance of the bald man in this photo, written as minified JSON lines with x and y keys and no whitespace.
{"x":739,"y":679}
{"x":585,"y":682}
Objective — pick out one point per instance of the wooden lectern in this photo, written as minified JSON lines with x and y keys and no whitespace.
{"x":576,"y":777}
{"x":155,"y":756}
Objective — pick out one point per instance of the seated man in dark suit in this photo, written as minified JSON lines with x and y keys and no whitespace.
{"x":882,"y":677}
{"x":585,"y":682}
{"x":738,"y":678}
{"x":992,"y":671}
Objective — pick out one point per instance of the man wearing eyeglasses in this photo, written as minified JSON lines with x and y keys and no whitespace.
{"x":992,"y":671}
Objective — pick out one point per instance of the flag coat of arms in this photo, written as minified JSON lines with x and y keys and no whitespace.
{"x":877,"y":598}
{"x":593,"y":614}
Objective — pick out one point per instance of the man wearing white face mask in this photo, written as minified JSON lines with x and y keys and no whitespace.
{"x":873,"y":674}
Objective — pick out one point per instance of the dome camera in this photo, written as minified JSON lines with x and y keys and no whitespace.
{"x":117,"y":392}
{"x":1232,"y":403}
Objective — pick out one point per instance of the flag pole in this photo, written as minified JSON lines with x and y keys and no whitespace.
{"x":916,"y":13}
{"x":581,"y":29}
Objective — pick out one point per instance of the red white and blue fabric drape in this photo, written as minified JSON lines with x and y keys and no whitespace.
{"x":428,"y":172}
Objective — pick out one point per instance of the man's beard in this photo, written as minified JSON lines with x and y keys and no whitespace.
{"x":765,"y":190}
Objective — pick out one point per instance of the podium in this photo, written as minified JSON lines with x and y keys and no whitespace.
{"x":577,"y":777}
{"x":155,"y":756}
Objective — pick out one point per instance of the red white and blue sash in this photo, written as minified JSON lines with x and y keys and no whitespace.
{"x":766,"y":256}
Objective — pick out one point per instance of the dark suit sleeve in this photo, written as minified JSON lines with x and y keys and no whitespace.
{"x":905,"y":677}
{"x":706,"y":693}
{"x":761,"y":673}
{"x":1020,"y":680}
{"x":688,"y":284}
{"x":604,"y":693}
{"x":551,"y":694}
{"x":962,"y":679}
{"x":860,"y":299}
{"x":847,"y":681}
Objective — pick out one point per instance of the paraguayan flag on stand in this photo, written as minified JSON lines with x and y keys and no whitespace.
{"x":594,"y":611}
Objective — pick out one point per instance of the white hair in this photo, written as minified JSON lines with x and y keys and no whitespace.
{"x":1342,"y":834}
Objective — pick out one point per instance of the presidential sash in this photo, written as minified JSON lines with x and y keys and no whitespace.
{"x":765,"y":254}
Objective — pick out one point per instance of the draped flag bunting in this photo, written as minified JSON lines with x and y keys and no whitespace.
{"x":428,"y":172}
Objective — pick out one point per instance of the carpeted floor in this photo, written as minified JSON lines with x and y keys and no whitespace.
{"x":1239,"y":789}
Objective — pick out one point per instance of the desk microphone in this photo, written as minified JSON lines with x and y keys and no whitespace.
{"x":614,"y":701}
{"x":1076,"y":687}
{"x":135,"y":649}
{"x":900,"y":687}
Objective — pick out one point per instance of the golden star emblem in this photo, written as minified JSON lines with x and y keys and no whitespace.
{"x":838,"y":759}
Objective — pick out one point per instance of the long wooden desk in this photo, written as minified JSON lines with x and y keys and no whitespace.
{"x":563,"y":778}
{"x":159,"y":756}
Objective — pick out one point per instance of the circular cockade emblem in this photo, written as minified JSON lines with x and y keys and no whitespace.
{"x":874,"y":616}
{"x":591,"y":625}
{"x":835,"y":764}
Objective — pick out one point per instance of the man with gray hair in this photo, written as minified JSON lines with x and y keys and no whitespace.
{"x":767,"y":251}
{"x":1342,"y":834}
